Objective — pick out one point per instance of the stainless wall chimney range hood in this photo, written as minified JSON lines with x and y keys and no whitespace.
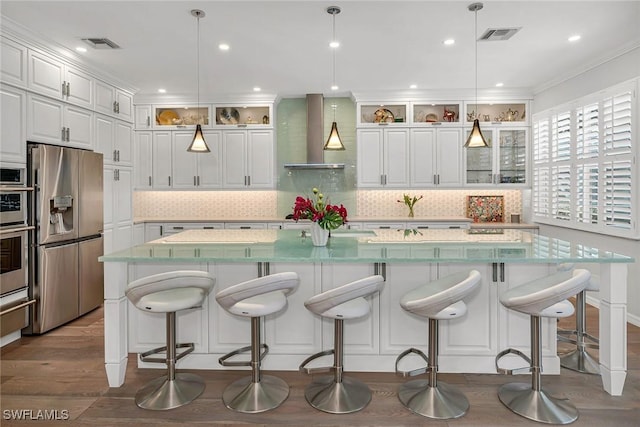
{"x":315,"y":137}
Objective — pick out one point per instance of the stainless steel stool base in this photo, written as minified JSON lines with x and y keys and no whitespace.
{"x":441,"y":402}
{"x":162,"y":394}
{"x":535,"y":405}
{"x":581,"y":361}
{"x":345,"y":397}
{"x":250,"y":397}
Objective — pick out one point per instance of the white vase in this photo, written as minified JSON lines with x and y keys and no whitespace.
{"x":319,"y":235}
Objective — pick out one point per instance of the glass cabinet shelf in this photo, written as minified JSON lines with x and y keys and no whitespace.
{"x":430,"y":113}
{"x":382,"y":114}
{"x":180,"y":115}
{"x":497,"y":113}
{"x":243,"y":115}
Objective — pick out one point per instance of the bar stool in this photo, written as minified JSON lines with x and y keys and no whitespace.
{"x":338,"y":394}
{"x":545,"y":297}
{"x":441,"y":299}
{"x":579,"y":359}
{"x":256,"y":298}
{"x":169,"y":293}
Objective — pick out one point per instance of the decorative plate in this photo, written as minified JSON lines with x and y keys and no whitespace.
{"x":168,"y":117}
{"x":229,"y":116}
{"x":485,"y":208}
{"x":382,"y":115}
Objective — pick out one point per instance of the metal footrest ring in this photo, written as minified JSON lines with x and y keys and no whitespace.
{"x":414,"y":372}
{"x":223,"y":360}
{"x":516,"y":370}
{"x":321,"y":369}
{"x":145,"y":357}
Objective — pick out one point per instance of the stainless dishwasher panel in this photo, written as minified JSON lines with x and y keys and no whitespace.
{"x":91,"y":280}
{"x":56,"y":287}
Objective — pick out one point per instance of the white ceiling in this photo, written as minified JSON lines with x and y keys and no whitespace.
{"x":282,"y":46}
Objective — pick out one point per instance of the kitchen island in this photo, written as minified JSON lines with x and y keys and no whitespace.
{"x":406,"y":258}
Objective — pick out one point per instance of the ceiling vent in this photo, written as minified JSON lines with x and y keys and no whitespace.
{"x":498,"y":34}
{"x":101,"y":43}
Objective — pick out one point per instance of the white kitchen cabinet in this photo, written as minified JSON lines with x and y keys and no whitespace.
{"x":113,"y":138}
{"x":113,"y":101}
{"x":142,"y":117}
{"x":13,"y":114}
{"x":504,"y":163}
{"x":436,"y":157}
{"x":248,"y":158}
{"x":142,"y":160}
{"x":58,"y":80}
{"x":161,"y":158}
{"x":13,"y":63}
{"x":383,"y":157}
{"x":196,"y":170}
{"x":53,"y":122}
{"x":118,"y":207}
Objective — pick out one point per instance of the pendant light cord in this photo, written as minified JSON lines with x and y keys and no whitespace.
{"x":198,"y":67}
{"x":475,"y":37}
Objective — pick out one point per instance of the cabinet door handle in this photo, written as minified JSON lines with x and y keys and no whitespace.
{"x":178,"y":227}
{"x":384,"y":227}
{"x":435,"y":179}
{"x":436,"y":123}
{"x":117,"y":155}
{"x":68,"y":132}
{"x":64,"y":88}
{"x":115,"y":108}
{"x":381,"y":179}
{"x":494,"y":268}
{"x":68,"y":89}
{"x":194,"y":181}
{"x":169,"y":181}
{"x":438,"y":179}
{"x":198,"y":180}
{"x":149,"y":180}
{"x":502,"y":272}
{"x":63,"y":134}
{"x":148,"y":121}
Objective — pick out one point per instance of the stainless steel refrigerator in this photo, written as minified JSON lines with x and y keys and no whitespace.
{"x":65,"y":276}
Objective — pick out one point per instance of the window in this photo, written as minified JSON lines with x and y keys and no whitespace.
{"x":584,"y":164}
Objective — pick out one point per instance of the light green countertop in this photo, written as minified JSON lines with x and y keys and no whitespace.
{"x":390,"y":246}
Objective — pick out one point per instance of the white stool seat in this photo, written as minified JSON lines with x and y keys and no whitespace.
{"x":558,"y":310}
{"x":534,"y":297}
{"x":258,"y":297}
{"x":346,"y":301}
{"x":170,"y":292}
{"x":429,"y":300}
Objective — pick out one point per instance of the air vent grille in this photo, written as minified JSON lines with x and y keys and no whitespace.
{"x":100,"y":43}
{"x":498,"y":34}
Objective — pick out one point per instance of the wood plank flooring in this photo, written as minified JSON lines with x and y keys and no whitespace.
{"x":63,"y":370}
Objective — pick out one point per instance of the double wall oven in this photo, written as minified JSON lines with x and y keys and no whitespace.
{"x":14,"y":238}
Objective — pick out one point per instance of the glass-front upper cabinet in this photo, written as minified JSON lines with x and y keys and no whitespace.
{"x":503,"y":163}
{"x":382,"y":114}
{"x":437,"y":114}
{"x":509,"y":113}
{"x":242,"y":115}
{"x":181,"y":115}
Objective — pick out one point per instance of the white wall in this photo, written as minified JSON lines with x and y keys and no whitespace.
{"x":611,"y":73}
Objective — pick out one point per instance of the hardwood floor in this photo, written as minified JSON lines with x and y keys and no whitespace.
{"x":63,"y":371}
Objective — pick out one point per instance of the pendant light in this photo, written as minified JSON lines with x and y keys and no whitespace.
{"x":198,"y":145}
{"x":476,"y":139}
{"x":334,"y":143}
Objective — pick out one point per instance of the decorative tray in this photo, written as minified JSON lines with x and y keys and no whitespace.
{"x":485,"y":208}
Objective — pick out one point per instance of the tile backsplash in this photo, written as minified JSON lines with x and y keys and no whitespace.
{"x":212,"y":205}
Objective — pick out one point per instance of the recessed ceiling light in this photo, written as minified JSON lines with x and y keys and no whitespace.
{"x":334,"y":44}
{"x":162,"y":90}
{"x":448,"y":42}
{"x":413,"y":87}
{"x":334,"y":87}
{"x":223,"y":46}
{"x":574,"y":38}
{"x":81,"y":49}
{"x":256,"y":89}
{"x":499,"y":84}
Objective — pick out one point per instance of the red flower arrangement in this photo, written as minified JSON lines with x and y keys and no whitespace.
{"x":328,"y":217}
